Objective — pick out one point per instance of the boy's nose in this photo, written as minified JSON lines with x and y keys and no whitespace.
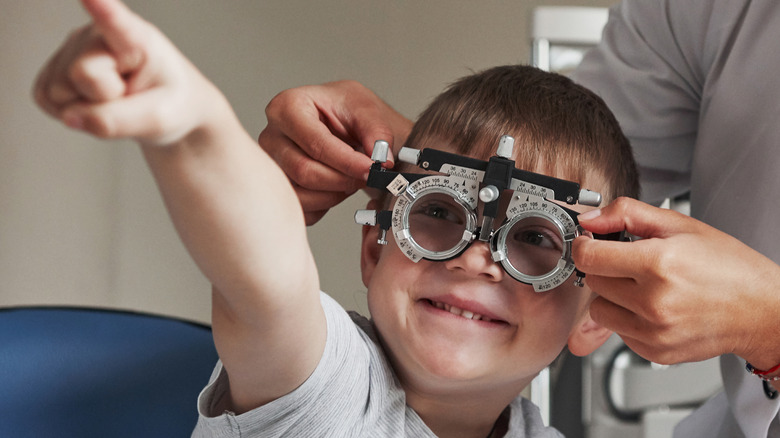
{"x":476,"y":261}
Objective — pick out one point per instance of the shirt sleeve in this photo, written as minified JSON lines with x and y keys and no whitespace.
{"x":331,"y":399}
{"x":653,"y":84}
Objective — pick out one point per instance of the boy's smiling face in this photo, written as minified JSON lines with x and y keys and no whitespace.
{"x":465,"y":324}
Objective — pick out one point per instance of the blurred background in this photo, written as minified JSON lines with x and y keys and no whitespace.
{"x":81,"y":222}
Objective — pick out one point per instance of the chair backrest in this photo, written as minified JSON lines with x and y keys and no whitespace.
{"x":76,"y":372}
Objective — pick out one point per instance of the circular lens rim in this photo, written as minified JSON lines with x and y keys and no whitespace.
{"x":465,"y":239}
{"x":564,"y":264}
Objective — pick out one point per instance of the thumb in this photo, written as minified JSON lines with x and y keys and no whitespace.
{"x":121,"y":29}
{"x":636,"y":217}
{"x":135,"y":116}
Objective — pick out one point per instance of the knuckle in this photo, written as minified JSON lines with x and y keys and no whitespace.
{"x":347,"y":84}
{"x":622,"y":204}
{"x":82,"y":66}
{"x":658,"y":311}
{"x":663,"y":263}
{"x":77,"y":72}
{"x":298,"y":167}
{"x":267,"y":140}
{"x":302,"y":169}
{"x":283,"y":102}
{"x":316,"y":147}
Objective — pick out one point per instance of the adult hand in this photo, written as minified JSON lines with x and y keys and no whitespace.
{"x":120,"y":77}
{"x":322,"y":137}
{"x":684,"y":292}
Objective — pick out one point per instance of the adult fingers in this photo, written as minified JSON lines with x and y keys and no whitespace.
{"x":623,"y":292}
{"x":635,"y":331}
{"x":612,"y":259}
{"x":302,"y":169}
{"x":313,"y":217}
{"x":317,"y":201}
{"x":296,"y":115}
{"x":636,"y":217}
{"x":614,"y":317}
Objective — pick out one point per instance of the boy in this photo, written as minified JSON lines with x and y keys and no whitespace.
{"x":451,"y":343}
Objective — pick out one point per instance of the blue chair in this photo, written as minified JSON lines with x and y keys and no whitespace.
{"x":78,"y":372}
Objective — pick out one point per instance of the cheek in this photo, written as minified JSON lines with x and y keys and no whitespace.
{"x":392,"y":272}
{"x":556,"y":312}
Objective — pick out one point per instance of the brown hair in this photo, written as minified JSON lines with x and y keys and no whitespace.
{"x":558,"y":125}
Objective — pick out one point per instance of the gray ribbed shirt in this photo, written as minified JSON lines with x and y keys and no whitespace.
{"x":353,"y":392}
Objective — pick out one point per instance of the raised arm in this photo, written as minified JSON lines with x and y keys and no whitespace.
{"x":239,"y":218}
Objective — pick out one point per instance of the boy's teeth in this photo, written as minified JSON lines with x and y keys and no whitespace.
{"x":460,"y":312}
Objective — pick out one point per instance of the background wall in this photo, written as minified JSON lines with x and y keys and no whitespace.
{"x":81,"y":222}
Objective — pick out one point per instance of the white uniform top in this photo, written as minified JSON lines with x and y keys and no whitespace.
{"x":695,"y":85}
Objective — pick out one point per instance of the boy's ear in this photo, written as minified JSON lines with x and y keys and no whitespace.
{"x":587,"y":336}
{"x":370,"y":249}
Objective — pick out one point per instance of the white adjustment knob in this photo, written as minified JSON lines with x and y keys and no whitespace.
{"x":380,"y":151}
{"x":591,"y":198}
{"x":409,"y":155}
{"x":488,"y":194}
{"x":365,"y":217}
{"x":506,"y":146}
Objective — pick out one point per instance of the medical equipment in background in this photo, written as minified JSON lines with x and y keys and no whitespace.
{"x":560,"y":35}
{"x":613,"y":393}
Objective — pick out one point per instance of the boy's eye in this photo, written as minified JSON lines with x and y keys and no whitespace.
{"x":438,"y":207}
{"x":440,"y":212}
{"x":437,"y":222}
{"x":533,"y":238}
{"x":537,"y":237}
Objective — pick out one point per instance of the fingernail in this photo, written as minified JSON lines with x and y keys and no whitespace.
{"x":589,"y":215}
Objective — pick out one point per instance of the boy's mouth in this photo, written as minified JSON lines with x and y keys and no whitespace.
{"x":460,"y":312}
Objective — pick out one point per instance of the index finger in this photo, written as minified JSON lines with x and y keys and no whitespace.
{"x":609,"y":258}
{"x":121,"y":30}
{"x":636,"y":217}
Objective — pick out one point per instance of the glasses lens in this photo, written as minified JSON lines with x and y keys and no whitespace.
{"x":437,"y":222}
{"x":534,"y":246}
